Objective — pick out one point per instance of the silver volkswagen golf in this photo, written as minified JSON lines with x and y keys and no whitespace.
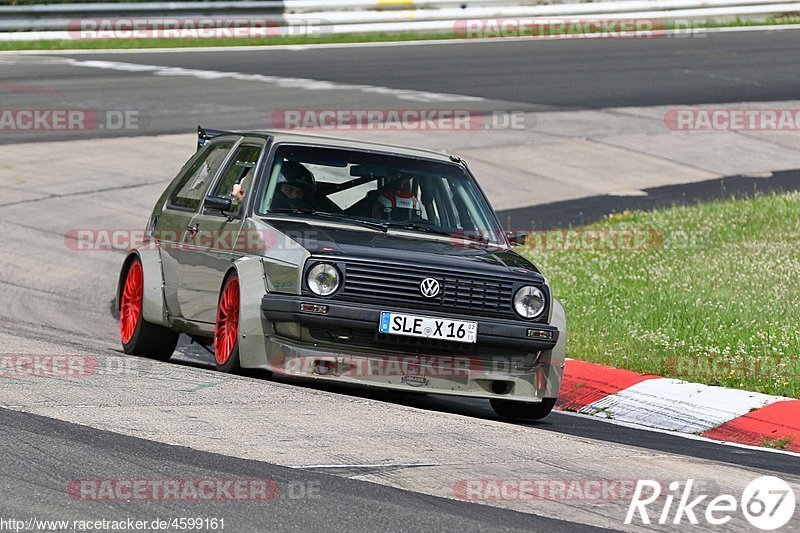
{"x":326,"y":259}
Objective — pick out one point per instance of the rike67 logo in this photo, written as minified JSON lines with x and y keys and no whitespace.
{"x":767,"y":502}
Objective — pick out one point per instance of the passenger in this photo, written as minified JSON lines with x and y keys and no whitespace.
{"x":399,"y":205}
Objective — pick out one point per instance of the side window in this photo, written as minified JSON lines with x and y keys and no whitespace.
{"x":190,"y":190}
{"x":239,"y":172}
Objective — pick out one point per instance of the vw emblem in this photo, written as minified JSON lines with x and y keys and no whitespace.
{"x":429,"y":287}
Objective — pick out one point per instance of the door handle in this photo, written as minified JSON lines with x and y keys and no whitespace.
{"x":192,"y":230}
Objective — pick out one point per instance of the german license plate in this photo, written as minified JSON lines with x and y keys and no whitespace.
{"x":428,"y":327}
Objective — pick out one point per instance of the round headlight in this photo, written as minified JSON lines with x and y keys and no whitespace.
{"x":323,"y":279}
{"x":529,"y":302}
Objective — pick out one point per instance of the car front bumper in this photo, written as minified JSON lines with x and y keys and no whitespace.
{"x":492,"y":333}
{"x":521,"y":373}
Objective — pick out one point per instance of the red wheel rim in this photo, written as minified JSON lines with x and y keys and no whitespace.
{"x":131,"y":304}
{"x":227,"y":329}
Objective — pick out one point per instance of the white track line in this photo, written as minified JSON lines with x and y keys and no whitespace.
{"x":376,"y":465}
{"x":280,"y":81}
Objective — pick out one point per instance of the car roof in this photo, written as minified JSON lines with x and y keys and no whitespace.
{"x":339,"y":142}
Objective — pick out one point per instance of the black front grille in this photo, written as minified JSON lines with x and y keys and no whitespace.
{"x":461,"y":292}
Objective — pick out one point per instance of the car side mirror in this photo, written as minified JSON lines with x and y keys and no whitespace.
{"x":516,"y":238}
{"x":219,"y":203}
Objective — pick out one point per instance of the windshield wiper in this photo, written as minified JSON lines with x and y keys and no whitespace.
{"x":476,"y":238}
{"x":331,"y":216}
{"x":418,"y":227}
{"x":479,"y":238}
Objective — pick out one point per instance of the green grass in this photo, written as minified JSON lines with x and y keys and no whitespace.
{"x":715,"y":299}
{"x":778,"y":444}
{"x":92,"y":44}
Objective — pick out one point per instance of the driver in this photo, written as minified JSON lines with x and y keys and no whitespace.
{"x":400,"y":204}
{"x":295,"y":186}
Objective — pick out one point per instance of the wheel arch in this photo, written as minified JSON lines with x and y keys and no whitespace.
{"x":554,"y":359}
{"x":254,"y":332}
{"x":154,"y":308}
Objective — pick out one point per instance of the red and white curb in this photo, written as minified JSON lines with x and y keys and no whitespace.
{"x":668,"y":404}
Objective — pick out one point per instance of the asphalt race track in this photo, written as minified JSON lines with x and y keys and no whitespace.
{"x":59,"y":449}
{"x":706,"y":68}
{"x":379,"y":461}
{"x":507,"y":76}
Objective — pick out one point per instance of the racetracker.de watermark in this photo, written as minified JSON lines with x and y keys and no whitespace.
{"x":122,"y":240}
{"x":722,"y":366}
{"x":192,"y":489}
{"x":418,"y":371}
{"x":68,"y":119}
{"x":400,"y":119}
{"x":260,"y":241}
{"x":620,"y":240}
{"x":732,"y":119}
{"x":193,"y":28}
{"x":538,"y":489}
{"x":574,"y":28}
{"x":62,"y":366}
{"x":58,"y":366}
{"x":414,"y":370}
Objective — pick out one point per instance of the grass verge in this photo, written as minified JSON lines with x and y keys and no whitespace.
{"x":714,"y":299}
{"x":99,"y":44}
{"x":77,"y":44}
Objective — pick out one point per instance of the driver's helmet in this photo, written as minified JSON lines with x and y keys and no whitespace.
{"x":295,"y":174}
{"x":398,"y":205}
{"x":300,"y":179}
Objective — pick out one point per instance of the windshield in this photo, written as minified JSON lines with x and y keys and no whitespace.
{"x":397,"y":192}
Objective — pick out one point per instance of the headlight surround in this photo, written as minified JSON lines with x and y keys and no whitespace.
{"x":529,"y":301}
{"x":323,"y":279}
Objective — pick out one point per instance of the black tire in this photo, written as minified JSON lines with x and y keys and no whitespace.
{"x":149,"y":340}
{"x":523,"y":410}
{"x":231,"y":364}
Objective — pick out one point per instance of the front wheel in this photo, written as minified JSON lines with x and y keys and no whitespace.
{"x":226,"y":332}
{"x":139,"y":337}
{"x":523,"y":410}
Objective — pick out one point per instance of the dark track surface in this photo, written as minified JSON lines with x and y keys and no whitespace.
{"x":593,"y":428}
{"x":522,"y":76}
{"x":41,"y":456}
{"x":705,"y":68}
{"x":570,"y":213}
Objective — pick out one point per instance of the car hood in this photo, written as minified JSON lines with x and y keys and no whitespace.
{"x":336,"y":240}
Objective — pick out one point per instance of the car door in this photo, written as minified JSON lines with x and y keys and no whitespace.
{"x":174,"y":221}
{"x":214,"y":235}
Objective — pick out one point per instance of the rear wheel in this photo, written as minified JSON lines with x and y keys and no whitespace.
{"x":226,"y":332}
{"x":523,"y":410}
{"x":138,"y":336}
